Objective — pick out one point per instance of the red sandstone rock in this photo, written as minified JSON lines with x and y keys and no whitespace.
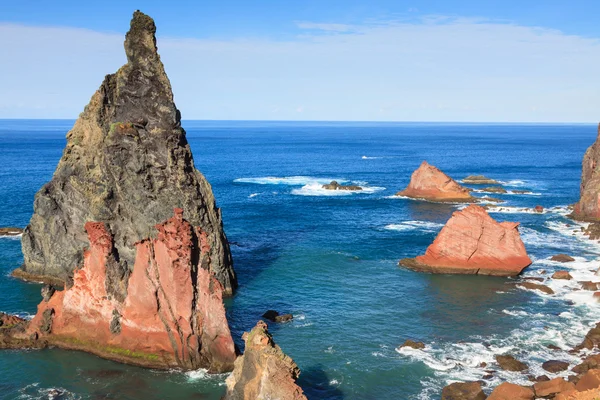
{"x":592,"y":394}
{"x":562,"y":275}
{"x":538,"y":209}
{"x":264,"y":371}
{"x":510,"y":391}
{"x":588,"y":207}
{"x":168,"y":313}
{"x":552,"y":387}
{"x":590,"y":380}
{"x":429,"y":183}
{"x":472,"y":242}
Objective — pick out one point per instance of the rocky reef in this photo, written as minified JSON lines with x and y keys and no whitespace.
{"x":127,"y":163}
{"x":429,"y":183}
{"x":167,"y":313}
{"x":472,"y":242}
{"x":334,"y":185}
{"x":264,"y":371}
{"x":480,"y":180}
{"x":588,"y":207}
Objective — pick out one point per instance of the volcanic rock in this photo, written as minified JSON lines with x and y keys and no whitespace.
{"x":127,"y":163}
{"x":479,"y":180}
{"x":563,"y":258}
{"x":555,"y":366}
{"x":510,"y":391}
{"x":472,"y":242}
{"x":562,"y":275}
{"x":167,"y":313}
{"x":463,"y":391}
{"x":10,"y":231}
{"x":429,"y":183}
{"x":274,"y":316}
{"x":509,"y":363}
{"x":264,"y":371}
{"x":588,"y":207}
{"x":336,"y":186}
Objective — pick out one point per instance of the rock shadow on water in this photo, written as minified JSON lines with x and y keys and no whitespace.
{"x":317,"y":384}
{"x":431,"y":212}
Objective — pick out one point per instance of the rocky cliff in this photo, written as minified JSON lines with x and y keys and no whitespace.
{"x":127,"y":164}
{"x":429,"y":183}
{"x":167,"y":313}
{"x":264,"y":371}
{"x":588,"y":207}
{"x":472,"y":242}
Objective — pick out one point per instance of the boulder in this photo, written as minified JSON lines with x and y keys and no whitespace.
{"x":336,"y":186}
{"x":555,"y":366}
{"x":413,"y":344}
{"x":127,"y":163}
{"x":264,"y":371}
{"x":590,"y":362}
{"x":535,"y":286}
{"x":538,"y":209}
{"x":10,"y":231}
{"x":463,"y":391}
{"x":552,"y":387}
{"x":589,"y":380}
{"x":593,"y":394}
{"x":509,"y":363}
{"x":274,"y":316}
{"x":429,"y":183}
{"x":588,"y":206}
{"x":589,"y":285}
{"x":510,"y":391}
{"x":480,"y":180}
{"x":472,"y":242}
{"x":592,"y":231}
{"x":592,"y":338}
{"x":562,"y":275}
{"x":166,"y":313}
{"x":563,"y":258}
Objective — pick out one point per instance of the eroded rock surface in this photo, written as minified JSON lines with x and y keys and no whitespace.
{"x":167,"y":313}
{"x":127,"y":163}
{"x":472,"y":242}
{"x":264,"y":371}
{"x":588,"y":207}
{"x":429,"y":183}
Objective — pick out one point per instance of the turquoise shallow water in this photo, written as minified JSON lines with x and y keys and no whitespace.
{"x":331,"y":260}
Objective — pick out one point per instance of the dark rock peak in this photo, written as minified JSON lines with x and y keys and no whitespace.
{"x":140,"y":41}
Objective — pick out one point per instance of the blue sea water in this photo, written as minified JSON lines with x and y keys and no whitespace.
{"x":330,"y":258}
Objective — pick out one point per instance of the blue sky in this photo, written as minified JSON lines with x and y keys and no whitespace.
{"x":500,"y":61}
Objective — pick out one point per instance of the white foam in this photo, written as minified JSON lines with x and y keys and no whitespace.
{"x":12,"y":237}
{"x":287,"y":180}
{"x":369,"y":158}
{"x":415,"y":225}
{"x":514,"y":182}
{"x":515,"y":210}
{"x":202,"y":374}
{"x":253,"y":195}
{"x":316,"y":189}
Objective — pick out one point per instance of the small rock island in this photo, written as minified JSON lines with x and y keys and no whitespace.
{"x":334,"y":185}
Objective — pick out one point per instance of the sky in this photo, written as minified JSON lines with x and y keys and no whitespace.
{"x":333,"y":60}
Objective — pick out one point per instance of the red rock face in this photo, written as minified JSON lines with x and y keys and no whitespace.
{"x":472,"y":242}
{"x":172,"y":315}
{"x":588,"y":207}
{"x":429,"y":183}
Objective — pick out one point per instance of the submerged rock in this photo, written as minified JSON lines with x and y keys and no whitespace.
{"x":10,"y":231}
{"x":588,"y":207}
{"x":463,"y":391}
{"x":472,"y":242}
{"x":336,"y":186}
{"x":480,"y":180}
{"x":167,"y":313}
{"x":264,"y":371}
{"x":127,"y":163}
{"x":429,"y":183}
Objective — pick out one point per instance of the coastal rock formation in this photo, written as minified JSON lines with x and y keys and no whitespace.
{"x":509,"y":363}
{"x":127,"y":163}
{"x":274,"y":316}
{"x":472,"y":242}
{"x":429,"y":183}
{"x":562,"y":275}
{"x":264,"y":371}
{"x":10,"y":231}
{"x":588,"y":207}
{"x":463,"y":391}
{"x":333,"y":185}
{"x":167,"y":313}
{"x":495,"y":189}
{"x":510,"y":391}
{"x":563,"y":258}
{"x":479,"y":180}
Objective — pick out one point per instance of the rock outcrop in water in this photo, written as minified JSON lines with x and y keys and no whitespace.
{"x":127,"y":164}
{"x":429,"y":183}
{"x":588,"y":207}
{"x":264,"y":371}
{"x":167,"y":313}
{"x":472,"y":242}
{"x":334,"y":185}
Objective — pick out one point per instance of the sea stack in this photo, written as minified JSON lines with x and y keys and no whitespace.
{"x":264,"y":371}
{"x":127,"y":164}
{"x":429,"y":183}
{"x":472,"y":242}
{"x":166,"y":313}
{"x":588,"y":207}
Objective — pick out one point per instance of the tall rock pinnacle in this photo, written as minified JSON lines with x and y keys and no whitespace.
{"x":127,"y":164}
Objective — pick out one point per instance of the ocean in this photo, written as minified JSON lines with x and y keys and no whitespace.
{"x":330,"y":258}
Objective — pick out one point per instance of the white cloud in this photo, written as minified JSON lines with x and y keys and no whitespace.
{"x":434,"y":69}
